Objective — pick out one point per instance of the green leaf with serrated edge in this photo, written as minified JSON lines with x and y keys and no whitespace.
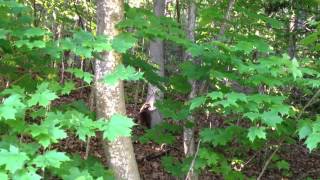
{"x":50,"y":159}
{"x":123,"y":42}
{"x":67,"y":88}
{"x":283,"y":165}
{"x":122,"y":73}
{"x":76,"y":174}
{"x":180,"y":84}
{"x":83,"y":125}
{"x":7,"y":112}
{"x":271,"y":118}
{"x":14,"y":90}
{"x":211,"y":157}
{"x":215,"y":95}
{"x":197,"y":102}
{"x":296,"y":72}
{"x":283,"y":109}
{"x":117,"y":126}
{"x":28,"y":173}
{"x":48,"y":131}
{"x":33,"y":32}
{"x":252,"y":115}
{"x":11,"y":106}
{"x":87,"y":77}
{"x":304,"y":128}
{"x":101,"y":44}
{"x":13,"y":159}
{"x":256,"y":132}
{"x":312,"y":141}
{"x":43,"y":96}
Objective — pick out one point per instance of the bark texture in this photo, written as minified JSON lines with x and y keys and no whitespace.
{"x":227,"y":17}
{"x":110,"y":99}
{"x":188,"y":133}
{"x":157,"y":58}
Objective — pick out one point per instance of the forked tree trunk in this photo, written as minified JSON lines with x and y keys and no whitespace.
{"x":188,"y":133}
{"x":157,"y":58}
{"x":110,"y":99}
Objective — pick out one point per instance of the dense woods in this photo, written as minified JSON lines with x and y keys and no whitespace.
{"x":159,"y":89}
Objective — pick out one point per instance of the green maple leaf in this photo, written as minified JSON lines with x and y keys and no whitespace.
{"x":252,"y":115}
{"x":67,"y":88}
{"x":215,"y":95}
{"x":87,"y":77}
{"x":304,"y":128}
{"x":173,"y":109}
{"x":123,"y":42}
{"x":256,"y":132}
{"x":76,"y":174}
{"x":101,"y":44}
{"x":296,"y":72}
{"x":196,"y":50}
{"x":50,"y":159}
{"x":118,"y":125}
{"x":192,"y":71}
{"x":33,"y":32}
{"x":84,"y":126}
{"x":180,"y":84}
{"x":14,"y":90}
{"x":13,"y":159}
{"x":245,"y":46}
{"x":271,"y":118}
{"x":283,"y":165}
{"x":43,"y":96}
{"x":7,"y":112}
{"x":48,"y":131}
{"x":11,"y":106}
{"x":28,"y":173}
{"x":122,"y":73}
{"x":216,"y":136}
{"x":312,"y":141}
{"x":283,"y":109}
{"x":197,"y":102}
{"x":211,"y":157}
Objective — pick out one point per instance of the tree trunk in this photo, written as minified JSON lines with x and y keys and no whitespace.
{"x":110,"y":99}
{"x":188,"y":133}
{"x":157,"y":58}
{"x":292,"y":30}
{"x":227,"y":16}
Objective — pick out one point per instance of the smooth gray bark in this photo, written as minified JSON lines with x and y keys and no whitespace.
{"x":188,"y":133}
{"x":157,"y":58}
{"x":110,"y":99}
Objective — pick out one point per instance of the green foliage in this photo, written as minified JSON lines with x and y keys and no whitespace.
{"x":87,"y":77}
{"x":167,"y":131}
{"x":50,"y":159}
{"x":253,"y":85}
{"x":13,"y":159}
{"x":117,"y":125}
{"x":256,"y":132}
{"x":122,"y":73}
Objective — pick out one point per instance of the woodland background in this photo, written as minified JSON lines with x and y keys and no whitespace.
{"x":163,"y":89}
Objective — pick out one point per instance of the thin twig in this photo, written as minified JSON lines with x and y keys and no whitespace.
{"x":193,"y":160}
{"x":87,"y":148}
{"x":267,"y":163}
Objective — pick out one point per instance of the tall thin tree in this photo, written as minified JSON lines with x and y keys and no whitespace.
{"x":110,"y":99}
{"x":157,"y":58}
{"x":188,"y":133}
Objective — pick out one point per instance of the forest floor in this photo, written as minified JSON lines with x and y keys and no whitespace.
{"x":302,"y":163}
